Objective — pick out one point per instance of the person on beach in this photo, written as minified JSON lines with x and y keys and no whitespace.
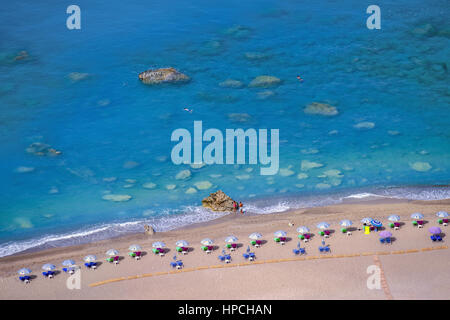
{"x":235,"y":206}
{"x":240,"y":204}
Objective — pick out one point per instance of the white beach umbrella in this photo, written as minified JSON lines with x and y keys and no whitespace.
{"x":24,"y":271}
{"x":134,"y":248}
{"x":346,"y":223}
{"x":417,"y":215}
{"x":366,"y":220}
{"x":280,"y":233}
{"x":90,"y":258}
{"x":112,"y":252}
{"x":182,"y":243}
{"x":231,"y":239}
{"x":255,"y":236}
{"x":442,"y":214}
{"x":48,"y":267}
{"x":158,"y":244}
{"x":207,"y":242}
{"x":303,"y":229}
{"x":323,"y":225}
{"x":68,"y":263}
{"x":394,"y":218}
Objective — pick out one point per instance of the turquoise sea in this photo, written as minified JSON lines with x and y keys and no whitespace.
{"x":78,"y":91}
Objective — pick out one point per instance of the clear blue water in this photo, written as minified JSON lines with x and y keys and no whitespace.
{"x":395,"y":78}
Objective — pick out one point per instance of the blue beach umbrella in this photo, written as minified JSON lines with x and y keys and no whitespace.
{"x":376,"y":223}
{"x":112,"y":252}
{"x":68,"y":263}
{"x":323,"y":225}
{"x":182,"y":243}
{"x":158,"y":244}
{"x":303,"y":229}
{"x":207,"y":242}
{"x":231,"y":239}
{"x":24,"y":271}
{"x":394,"y":218}
{"x":346,"y":223}
{"x":417,"y":216}
{"x":48,"y":267}
{"x":280,"y":233}
{"x":442,"y":214}
{"x":90,"y":258}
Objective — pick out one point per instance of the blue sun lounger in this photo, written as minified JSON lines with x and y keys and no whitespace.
{"x":25,"y":279}
{"x":301,"y":250}
{"x":246,"y":256}
{"x":382,"y":240}
{"x":221,"y":258}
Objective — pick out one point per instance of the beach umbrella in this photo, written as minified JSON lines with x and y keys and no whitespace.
{"x":376,"y":223}
{"x":323,"y":225}
{"x":112,"y":252}
{"x":24,"y":271}
{"x":90,"y":258}
{"x":366,"y":220}
{"x":303,"y":229}
{"x":346,"y":223}
{"x":158,"y":244}
{"x":442,"y":214}
{"x":417,"y":216}
{"x":48,"y":267}
{"x":181,"y":243}
{"x":280,"y":233}
{"x":385,"y":234}
{"x":394,"y":218}
{"x":134,"y":248}
{"x":255,"y":236}
{"x":231,"y":239}
{"x":68,"y":263}
{"x":435,"y":230}
{"x":207,"y":242}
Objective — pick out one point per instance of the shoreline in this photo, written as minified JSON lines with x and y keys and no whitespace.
{"x":217,"y":228}
{"x":259,"y":206}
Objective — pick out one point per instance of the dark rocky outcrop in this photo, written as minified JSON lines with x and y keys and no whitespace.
{"x":218,"y":201}
{"x":162,"y":75}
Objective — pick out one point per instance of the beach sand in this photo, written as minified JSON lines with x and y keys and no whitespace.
{"x":409,"y":268}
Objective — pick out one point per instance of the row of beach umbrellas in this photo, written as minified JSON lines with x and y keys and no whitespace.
{"x":254,"y":236}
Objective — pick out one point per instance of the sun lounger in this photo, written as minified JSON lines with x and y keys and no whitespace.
{"x":110,"y":259}
{"x":344,"y":230}
{"x":173,"y":264}
{"x":251,"y":256}
{"x":391,"y":225}
{"x":234,"y":245}
{"x":388,"y":240}
{"x":302,"y":250}
{"x":209,"y":249}
{"x":321,"y":233}
{"x":179,"y":264}
{"x":179,"y":249}
{"x":116,"y":260}
{"x":276,"y":239}
{"x":25,"y":279}
{"x":321,"y":249}
{"x":282,"y":240}
{"x":433,"y":238}
{"x":326,"y":249}
{"x":327,"y":233}
{"x":228,"y":246}
{"x":420,"y":223}
{"x":296,"y":251}
{"x":185,"y":250}
{"x":161,"y":252}
{"x":382,"y":240}
{"x":132,"y":254}
{"x":227,"y":258}
{"x":396,"y":225}
{"x":258,"y":243}
{"x":246,"y":256}
{"x":445,"y":222}
{"x":301,"y":237}
{"x":253,"y":243}
{"x":69,"y":270}
{"x":204,"y":248}
{"x":48,"y":274}
{"x":221,"y":258}
{"x":438,"y":237}
{"x":414,"y":223}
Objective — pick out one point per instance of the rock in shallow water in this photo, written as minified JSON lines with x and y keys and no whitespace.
{"x":265,"y":81}
{"x":163,"y":75}
{"x":117,"y":197}
{"x":218,"y":201}
{"x":323,"y":109}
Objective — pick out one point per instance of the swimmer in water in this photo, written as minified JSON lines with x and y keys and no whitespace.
{"x":188,"y":110}
{"x":299,"y":78}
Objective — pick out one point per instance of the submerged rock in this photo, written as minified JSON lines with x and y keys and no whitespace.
{"x":231,"y":83}
{"x":364,"y":125}
{"x":203,"y":185}
{"x":265,"y":81}
{"x":42,"y":149}
{"x":117,"y":197}
{"x":323,"y":109}
{"x":218,"y":201}
{"x":257,"y":56}
{"x":239,"y":117}
{"x":426,"y":30}
{"x":306,"y":165}
{"x":78,"y":76}
{"x":162,"y":75}
{"x":238,"y":31}
{"x":421,"y":166}
{"x":24,"y":169}
{"x":183,"y":174}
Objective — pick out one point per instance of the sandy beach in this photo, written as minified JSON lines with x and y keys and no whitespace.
{"x":412,"y":267}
